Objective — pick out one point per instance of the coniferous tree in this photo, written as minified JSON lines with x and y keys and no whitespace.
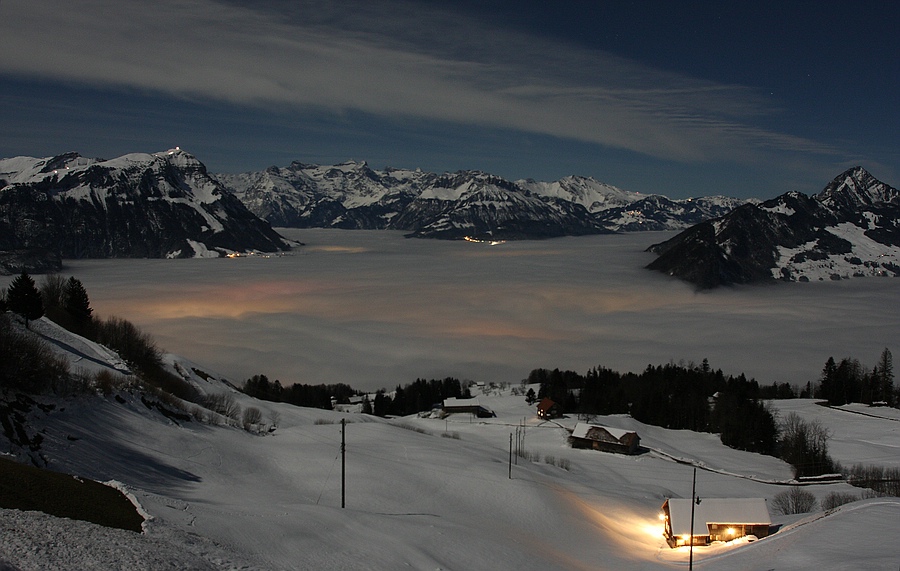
{"x":24,"y":298}
{"x":827,"y":387}
{"x":885,"y":370}
{"x":76,"y":302}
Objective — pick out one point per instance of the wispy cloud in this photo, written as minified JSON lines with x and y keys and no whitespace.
{"x":387,"y":59}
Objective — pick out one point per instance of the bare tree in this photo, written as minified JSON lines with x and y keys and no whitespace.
{"x":794,"y":501}
{"x":804,"y":445}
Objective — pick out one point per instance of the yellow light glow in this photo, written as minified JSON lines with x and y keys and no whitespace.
{"x":730,"y":531}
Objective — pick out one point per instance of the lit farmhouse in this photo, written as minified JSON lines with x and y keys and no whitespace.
{"x":715,"y":519}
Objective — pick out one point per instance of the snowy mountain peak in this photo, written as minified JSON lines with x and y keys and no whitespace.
{"x":847,"y":230}
{"x":854,"y":188}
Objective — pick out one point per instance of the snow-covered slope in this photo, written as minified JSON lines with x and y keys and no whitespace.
{"x":137,"y":205}
{"x":420,"y":493}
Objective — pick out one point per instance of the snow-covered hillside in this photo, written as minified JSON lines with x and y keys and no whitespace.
{"x":421,"y":493}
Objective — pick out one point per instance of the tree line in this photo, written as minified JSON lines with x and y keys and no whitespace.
{"x":673,"y":396}
{"x":849,"y":381}
{"x":298,"y":394}
{"x":417,"y":396}
{"x":66,"y":302}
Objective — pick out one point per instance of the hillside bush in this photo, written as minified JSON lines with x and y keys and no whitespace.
{"x":835,"y":499}
{"x":132,"y":344}
{"x":224,"y":404}
{"x":26,"y":362}
{"x":251,"y":416}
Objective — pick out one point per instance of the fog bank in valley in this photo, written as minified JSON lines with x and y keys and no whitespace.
{"x":374,"y":310}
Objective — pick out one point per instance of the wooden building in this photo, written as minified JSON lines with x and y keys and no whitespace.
{"x":548,"y":409}
{"x":605,"y":439}
{"x":715,"y":519}
{"x":471,"y":406}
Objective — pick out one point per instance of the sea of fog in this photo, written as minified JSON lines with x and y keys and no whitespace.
{"x":373,"y":309}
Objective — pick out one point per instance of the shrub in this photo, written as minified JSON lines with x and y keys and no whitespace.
{"x":252,"y":415}
{"x":558,"y":462}
{"x":224,"y":404}
{"x":27,"y":363}
{"x":106,"y":382}
{"x":835,"y":499}
{"x":794,"y":501}
{"x":131,"y":343}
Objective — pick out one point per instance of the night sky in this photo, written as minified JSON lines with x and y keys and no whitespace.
{"x":678,"y":98}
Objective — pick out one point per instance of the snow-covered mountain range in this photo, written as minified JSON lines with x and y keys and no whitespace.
{"x":167,"y":205}
{"x":455,"y":205}
{"x":850,"y":229}
{"x":138,"y":205}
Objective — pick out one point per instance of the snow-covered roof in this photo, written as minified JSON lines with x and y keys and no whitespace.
{"x":453,"y":401}
{"x":741,"y":511}
{"x":582,"y":430}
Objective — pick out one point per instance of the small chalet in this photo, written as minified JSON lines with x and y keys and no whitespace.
{"x":715,"y":519}
{"x":605,"y":439}
{"x":471,"y":406}
{"x":548,"y":409}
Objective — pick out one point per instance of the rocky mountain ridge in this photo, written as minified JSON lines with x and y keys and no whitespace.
{"x":162,"y":205}
{"x":849,"y":229}
{"x":471,"y":204}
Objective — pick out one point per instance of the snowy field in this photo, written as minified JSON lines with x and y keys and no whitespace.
{"x":422,"y":493}
{"x":374,"y":310}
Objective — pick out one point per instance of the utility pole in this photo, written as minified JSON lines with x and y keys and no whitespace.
{"x":693,"y":503}
{"x":517,"y":446}
{"x":510,"y":455}
{"x":343,"y":462}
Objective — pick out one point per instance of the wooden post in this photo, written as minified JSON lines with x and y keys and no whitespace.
{"x":510,"y":455}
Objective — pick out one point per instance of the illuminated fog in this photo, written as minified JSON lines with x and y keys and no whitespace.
{"x":373,"y":309}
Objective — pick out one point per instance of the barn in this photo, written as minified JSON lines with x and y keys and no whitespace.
{"x":471,"y":406}
{"x":605,"y":439}
{"x":715,"y":519}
